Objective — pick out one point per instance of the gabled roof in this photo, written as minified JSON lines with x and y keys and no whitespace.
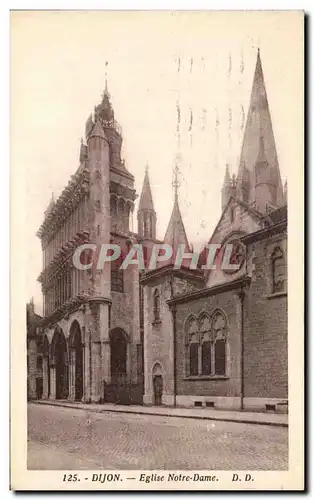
{"x":175,"y":233}
{"x":252,"y":211}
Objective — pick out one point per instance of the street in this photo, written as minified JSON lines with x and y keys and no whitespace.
{"x":74,"y":439}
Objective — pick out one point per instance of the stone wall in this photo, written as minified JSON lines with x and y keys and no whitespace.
{"x":228,"y":386}
{"x":266,"y":346}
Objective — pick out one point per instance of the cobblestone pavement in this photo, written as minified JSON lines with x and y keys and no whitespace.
{"x":65,"y":438}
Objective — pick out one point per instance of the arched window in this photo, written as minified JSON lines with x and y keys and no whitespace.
{"x":206,"y":345}
{"x":192,"y":347}
{"x":117,"y":276}
{"x":156,"y":306}
{"x":146,"y":224}
{"x":121,"y":206}
{"x":113,"y":205}
{"x":278,"y":271}
{"x":219,"y":329}
{"x":151,"y":225}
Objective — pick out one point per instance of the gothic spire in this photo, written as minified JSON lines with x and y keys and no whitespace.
{"x":175,"y":233}
{"x":259,"y":147}
{"x":227,"y":178}
{"x":227,"y":188}
{"x":146,"y":200}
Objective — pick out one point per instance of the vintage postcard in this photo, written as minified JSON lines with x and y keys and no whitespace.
{"x":157,"y":293}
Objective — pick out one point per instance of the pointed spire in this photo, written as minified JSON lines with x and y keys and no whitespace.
{"x":146,"y":200}
{"x":175,"y":233}
{"x":227,"y":188}
{"x":227,"y":178}
{"x":89,"y":125}
{"x":83,"y":152}
{"x":258,"y":145}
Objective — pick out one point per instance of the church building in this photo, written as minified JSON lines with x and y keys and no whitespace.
{"x":167,"y":336}
{"x":218,"y":338}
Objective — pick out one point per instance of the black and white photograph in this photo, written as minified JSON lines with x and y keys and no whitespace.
{"x":157,"y":163}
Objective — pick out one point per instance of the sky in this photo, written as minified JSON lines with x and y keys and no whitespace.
{"x":58,"y":71}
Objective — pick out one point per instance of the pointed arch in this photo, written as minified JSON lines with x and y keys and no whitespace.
{"x":205,"y":343}
{"x":76,"y":360}
{"x":113,"y":204}
{"x":46,"y":368}
{"x":121,"y":206}
{"x":119,"y":343}
{"x":219,"y":335}
{"x":59,"y":359}
{"x":156,"y":302}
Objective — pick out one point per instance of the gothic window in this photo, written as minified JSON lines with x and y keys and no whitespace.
{"x":192,"y":347}
{"x":278,"y":271}
{"x":206,"y":346}
{"x":98,"y":206}
{"x":219,"y":328}
{"x":121,"y":206}
{"x":39,"y":363}
{"x":193,"y":356}
{"x":113,"y":205}
{"x":151,"y":225}
{"x":117,"y":277}
{"x":156,"y":306}
{"x":146,"y":224}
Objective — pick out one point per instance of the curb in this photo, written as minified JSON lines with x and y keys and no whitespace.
{"x":194,"y":417}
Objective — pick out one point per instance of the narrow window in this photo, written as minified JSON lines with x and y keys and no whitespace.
{"x":206,"y":358}
{"x":193,"y":354}
{"x":278,"y":271}
{"x":156,"y":306}
{"x":220,"y":357}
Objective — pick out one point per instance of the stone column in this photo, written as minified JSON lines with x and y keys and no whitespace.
{"x":45,"y":379}
{"x":71,"y":396}
{"x":73,"y":385}
{"x":105,"y":361}
{"x":86,"y":372}
{"x":96,"y":372}
{"x":52,"y":382}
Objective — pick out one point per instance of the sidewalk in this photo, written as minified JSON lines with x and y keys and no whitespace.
{"x":276,"y":419}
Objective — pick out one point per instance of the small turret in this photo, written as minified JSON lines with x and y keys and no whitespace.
{"x":146,"y":215}
{"x":89,"y":125}
{"x":226,"y":190}
{"x":83,"y":152}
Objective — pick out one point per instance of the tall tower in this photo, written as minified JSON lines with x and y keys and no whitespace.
{"x":146,"y":215}
{"x":259,"y":181}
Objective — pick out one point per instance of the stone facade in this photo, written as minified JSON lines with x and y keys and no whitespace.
{"x":222,"y":341}
{"x":187,"y":337}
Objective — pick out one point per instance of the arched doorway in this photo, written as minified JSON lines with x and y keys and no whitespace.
{"x":60,"y":359}
{"x":76,"y":360}
{"x":118,"y":356}
{"x":46,"y":369}
{"x":157,"y":384}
